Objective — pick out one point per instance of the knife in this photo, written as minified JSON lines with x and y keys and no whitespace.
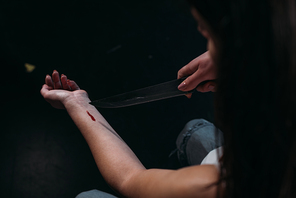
{"x":153,"y":93}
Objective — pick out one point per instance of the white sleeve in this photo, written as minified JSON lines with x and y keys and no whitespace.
{"x":213,"y":157}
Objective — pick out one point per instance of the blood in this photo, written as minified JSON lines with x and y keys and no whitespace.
{"x":92,"y":117}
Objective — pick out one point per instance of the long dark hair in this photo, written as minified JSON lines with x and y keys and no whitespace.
{"x":255,"y":100}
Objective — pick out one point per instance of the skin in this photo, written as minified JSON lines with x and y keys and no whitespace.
{"x":116,"y":161}
{"x":204,"y":66}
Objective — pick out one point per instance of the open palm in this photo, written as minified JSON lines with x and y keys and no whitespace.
{"x":59,"y":90}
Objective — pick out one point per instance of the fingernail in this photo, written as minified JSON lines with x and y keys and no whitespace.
{"x":55,"y":71}
{"x":182,"y":86}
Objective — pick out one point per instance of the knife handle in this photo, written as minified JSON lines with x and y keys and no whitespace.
{"x":201,"y":84}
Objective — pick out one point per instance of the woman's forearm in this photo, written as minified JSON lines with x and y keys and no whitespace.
{"x":115,"y":160}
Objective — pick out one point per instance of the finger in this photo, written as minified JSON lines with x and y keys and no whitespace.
{"x":45,"y":89}
{"x":184,"y":71}
{"x":56,"y":80}
{"x":188,"y":95}
{"x":73,"y":85}
{"x":192,"y":81}
{"x":64,"y":82}
{"x":210,"y":86}
{"x":190,"y":68}
{"x":48,"y":81}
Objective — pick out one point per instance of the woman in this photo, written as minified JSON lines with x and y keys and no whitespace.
{"x":251,"y":45}
{"x":256,"y":93}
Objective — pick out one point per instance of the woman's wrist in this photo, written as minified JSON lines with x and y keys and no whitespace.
{"x":79,"y":99}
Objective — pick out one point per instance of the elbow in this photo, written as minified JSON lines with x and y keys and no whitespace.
{"x":129,"y":186}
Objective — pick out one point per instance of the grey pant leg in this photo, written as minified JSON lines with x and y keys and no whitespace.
{"x":196,"y":140}
{"x":94,"y":194}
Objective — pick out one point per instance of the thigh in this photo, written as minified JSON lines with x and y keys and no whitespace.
{"x":196,"y":140}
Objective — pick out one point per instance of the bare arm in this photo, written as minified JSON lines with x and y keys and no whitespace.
{"x":116,"y":161}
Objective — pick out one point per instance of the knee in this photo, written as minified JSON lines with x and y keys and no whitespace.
{"x":94,"y":194}
{"x":198,"y":138}
{"x":191,"y":127}
{"x":86,"y":194}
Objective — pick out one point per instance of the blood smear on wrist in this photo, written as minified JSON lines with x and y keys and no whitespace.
{"x":92,"y":117}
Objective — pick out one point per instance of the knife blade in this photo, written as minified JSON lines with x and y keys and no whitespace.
{"x":148,"y":94}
